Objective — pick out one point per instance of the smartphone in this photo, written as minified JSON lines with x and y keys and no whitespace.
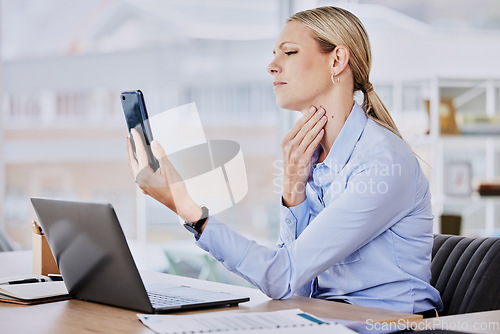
{"x":136,"y":115}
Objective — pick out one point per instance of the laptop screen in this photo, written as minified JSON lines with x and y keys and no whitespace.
{"x":92,"y":253}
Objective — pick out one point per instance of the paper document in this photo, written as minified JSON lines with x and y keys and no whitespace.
{"x":286,"y":321}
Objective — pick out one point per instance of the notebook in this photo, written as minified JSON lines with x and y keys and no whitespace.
{"x":33,"y":293}
{"x":96,"y":263}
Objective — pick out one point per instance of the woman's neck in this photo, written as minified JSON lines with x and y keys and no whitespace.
{"x":338,"y":107}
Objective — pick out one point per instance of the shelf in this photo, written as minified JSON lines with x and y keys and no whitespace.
{"x":475,"y":100}
{"x":472,"y":199}
{"x":469,"y":142}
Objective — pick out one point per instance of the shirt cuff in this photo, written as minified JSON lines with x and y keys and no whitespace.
{"x":293,"y":221}
{"x":297,"y":213}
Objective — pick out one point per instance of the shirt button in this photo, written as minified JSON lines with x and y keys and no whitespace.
{"x":288,"y":221}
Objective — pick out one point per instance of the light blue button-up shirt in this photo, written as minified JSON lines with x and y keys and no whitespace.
{"x":364,"y":233}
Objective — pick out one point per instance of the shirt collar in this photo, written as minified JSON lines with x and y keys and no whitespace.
{"x":345,"y":142}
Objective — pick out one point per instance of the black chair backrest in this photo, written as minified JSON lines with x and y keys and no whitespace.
{"x":466,"y":271}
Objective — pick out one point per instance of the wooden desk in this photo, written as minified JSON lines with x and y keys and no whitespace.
{"x":75,"y":316}
{"x":478,"y":322}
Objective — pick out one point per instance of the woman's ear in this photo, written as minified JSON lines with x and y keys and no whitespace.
{"x":339,"y":59}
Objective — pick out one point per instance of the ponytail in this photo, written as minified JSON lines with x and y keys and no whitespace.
{"x":376,"y":110}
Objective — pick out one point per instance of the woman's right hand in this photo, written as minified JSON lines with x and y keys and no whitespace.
{"x":165,"y":185}
{"x":298,"y":147}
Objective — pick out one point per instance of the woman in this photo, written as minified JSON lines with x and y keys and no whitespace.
{"x":356,"y":220}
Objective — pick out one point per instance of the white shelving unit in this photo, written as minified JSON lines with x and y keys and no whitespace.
{"x":480,"y":98}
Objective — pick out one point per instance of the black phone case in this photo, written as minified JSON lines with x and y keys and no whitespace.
{"x":136,"y":116}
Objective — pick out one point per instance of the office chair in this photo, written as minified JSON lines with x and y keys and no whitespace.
{"x":466,"y":271}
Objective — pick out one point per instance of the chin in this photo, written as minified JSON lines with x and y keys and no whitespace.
{"x":288,"y":104}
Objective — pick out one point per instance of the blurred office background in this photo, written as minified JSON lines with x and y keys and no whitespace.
{"x":62,"y":130}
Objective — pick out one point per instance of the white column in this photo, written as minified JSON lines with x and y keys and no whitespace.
{"x":438,"y":153}
{"x":2,"y":161}
{"x":490,"y":97}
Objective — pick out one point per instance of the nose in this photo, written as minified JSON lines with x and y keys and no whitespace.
{"x":273,"y":68}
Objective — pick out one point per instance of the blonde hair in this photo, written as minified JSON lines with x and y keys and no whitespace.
{"x":336,"y":26}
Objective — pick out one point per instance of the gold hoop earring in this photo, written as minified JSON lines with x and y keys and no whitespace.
{"x":333,"y":79}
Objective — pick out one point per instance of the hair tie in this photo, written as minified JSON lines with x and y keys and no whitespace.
{"x":367,"y":87}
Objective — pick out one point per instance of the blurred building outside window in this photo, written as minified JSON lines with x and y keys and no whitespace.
{"x":65,"y":63}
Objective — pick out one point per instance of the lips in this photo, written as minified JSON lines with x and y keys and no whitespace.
{"x":277,"y":84}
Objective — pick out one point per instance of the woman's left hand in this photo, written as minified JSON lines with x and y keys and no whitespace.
{"x":165,"y":185}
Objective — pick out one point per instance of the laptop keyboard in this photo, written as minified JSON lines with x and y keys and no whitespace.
{"x":159,"y":300}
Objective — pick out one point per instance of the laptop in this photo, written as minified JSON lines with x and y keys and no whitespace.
{"x":91,"y":251}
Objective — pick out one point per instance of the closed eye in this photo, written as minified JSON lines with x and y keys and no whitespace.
{"x":290,"y":52}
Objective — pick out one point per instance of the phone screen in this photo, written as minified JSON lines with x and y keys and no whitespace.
{"x":136,"y":115}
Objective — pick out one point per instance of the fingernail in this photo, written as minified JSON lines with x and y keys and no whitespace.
{"x":321,"y":111}
{"x":312,"y":110}
{"x":323,"y":119}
